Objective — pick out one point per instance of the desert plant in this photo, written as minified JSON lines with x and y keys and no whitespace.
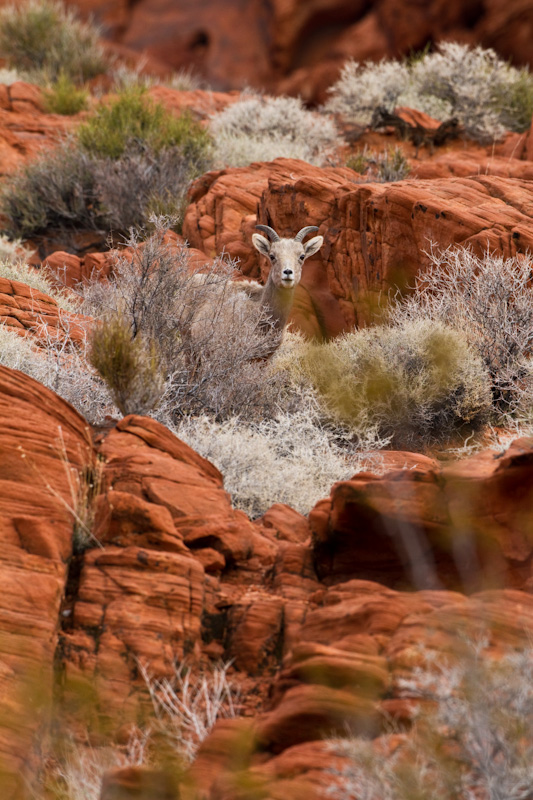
{"x":212,"y":339}
{"x":292,"y":457}
{"x":418,"y":383}
{"x":134,"y":118}
{"x":387,"y":166}
{"x":56,"y":190}
{"x":187,"y":707}
{"x":489,"y":298}
{"x":131,"y":158}
{"x":44,"y":38}
{"x":64,"y":97}
{"x":128,"y":363}
{"x":261,"y":128}
{"x":471,"y":739}
{"x":473,"y":85}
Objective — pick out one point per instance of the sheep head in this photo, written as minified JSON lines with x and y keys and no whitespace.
{"x":286,"y":256}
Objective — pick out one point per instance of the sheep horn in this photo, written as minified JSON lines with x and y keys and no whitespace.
{"x":301,"y":234}
{"x":270,"y":232}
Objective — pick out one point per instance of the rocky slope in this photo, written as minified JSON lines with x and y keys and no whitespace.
{"x":320,"y":615}
{"x":176,"y":573}
{"x":297,"y":46}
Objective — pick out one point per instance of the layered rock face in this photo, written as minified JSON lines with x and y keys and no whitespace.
{"x":298,"y":47}
{"x":46,"y":456}
{"x":377,"y":235}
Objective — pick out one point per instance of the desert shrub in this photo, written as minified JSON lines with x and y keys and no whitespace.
{"x":390,"y":165}
{"x":418,"y":383}
{"x":142,"y":183}
{"x":130,"y":159}
{"x":133,"y":118}
{"x":64,"y":97}
{"x":56,"y":190}
{"x":125,"y":76}
{"x":362,"y":88}
{"x":212,"y":339}
{"x":485,"y":94}
{"x":129,"y":365}
{"x":292,"y":457}
{"x":472,"y":740}
{"x":263,"y":128}
{"x":45,"y":38}
{"x":490,"y":299}
{"x":187,"y":707}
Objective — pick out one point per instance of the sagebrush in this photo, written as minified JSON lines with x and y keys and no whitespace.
{"x":45,"y":39}
{"x":489,"y":299}
{"x":473,"y":85}
{"x":418,"y":383}
{"x":259,"y":128}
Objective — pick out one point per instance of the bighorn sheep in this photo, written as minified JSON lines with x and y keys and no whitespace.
{"x":286,"y":257}
{"x":240,"y":298}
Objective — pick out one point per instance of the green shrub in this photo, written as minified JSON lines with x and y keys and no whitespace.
{"x":133,"y":118}
{"x":64,"y":97}
{"x":131,"y":158}
{"x":45,"y":39}
{"x":418,"y":383}
{"x":129,"y":365}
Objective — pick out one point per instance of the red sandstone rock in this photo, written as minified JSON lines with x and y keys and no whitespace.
{"x":376,"y":235}
{"x":467,"y":526}
{"x":43,"y":441}
{"x":299,"y":47}
{"x":28,"y":311}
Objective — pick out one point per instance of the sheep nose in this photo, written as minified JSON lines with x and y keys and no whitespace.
{"x":288,"y":273}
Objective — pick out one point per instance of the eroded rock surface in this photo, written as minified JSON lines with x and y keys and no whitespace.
{"x":46,"y":455}
{"x":377,"y":235}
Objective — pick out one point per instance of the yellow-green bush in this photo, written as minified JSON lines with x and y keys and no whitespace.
{"x":417,"y":383}
{"x":64,"y":97}
{"x":129,"y":366}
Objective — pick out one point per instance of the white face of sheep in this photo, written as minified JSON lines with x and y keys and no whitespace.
{"x":286,"y":256}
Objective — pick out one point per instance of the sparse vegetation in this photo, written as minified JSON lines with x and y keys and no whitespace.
{"x":130,"y":158}
{"x":45,"y":39}
{"x":485,"y":94}
{"x":261,"y":128}
{"x":129,"y":365}
{"x":390,"y":165}
{"x":418,"y":383}
{"x":64,"y":97}
{"x":489,"y":299}
{"x":471,"y":738}
{"x":135,"y":119}
{"x":187,"y":707}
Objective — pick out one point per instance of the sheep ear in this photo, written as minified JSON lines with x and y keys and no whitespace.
{"x":261,"y":244}
{"x":313,"y":245}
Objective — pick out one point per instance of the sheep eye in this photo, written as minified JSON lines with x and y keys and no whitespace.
{"x":272,"y":257}
{"x":302,"y":257}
